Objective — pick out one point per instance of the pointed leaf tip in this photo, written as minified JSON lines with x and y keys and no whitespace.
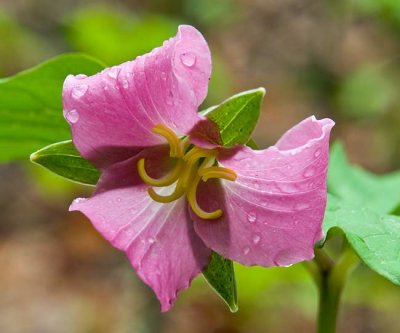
{"x":237,"y":116}
{"x":64,"y":160}
{"x":220,"y":275}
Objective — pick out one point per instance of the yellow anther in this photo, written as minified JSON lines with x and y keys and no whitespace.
{"x":167,"y":180}
{"x":217,"y":172}
{"x":194,"y":164}
{"x":192,"y":199}
{"x":170,"y":136}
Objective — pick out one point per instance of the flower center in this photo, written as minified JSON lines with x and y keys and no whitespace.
{"x":193,"y":164}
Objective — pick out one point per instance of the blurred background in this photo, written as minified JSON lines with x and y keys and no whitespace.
{"x":331,"y":58}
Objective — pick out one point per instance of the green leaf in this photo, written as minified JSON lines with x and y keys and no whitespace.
{"x":373,"y":236}
{"x":237,"y":116}
{"x":359,"y":205}
{"x":31,"y":106}
{"x":361,"y":188}
{"x":63,"y":159}
{"x":220,"y":275}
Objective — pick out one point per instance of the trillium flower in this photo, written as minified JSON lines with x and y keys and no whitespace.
{"x":169,"y":192}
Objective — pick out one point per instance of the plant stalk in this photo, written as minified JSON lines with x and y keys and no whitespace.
{"x":330,"y":278}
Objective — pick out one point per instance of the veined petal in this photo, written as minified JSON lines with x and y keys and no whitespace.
{"x":273,"y":212}
{"x":112,"y":113}
{"x":159,"y":239}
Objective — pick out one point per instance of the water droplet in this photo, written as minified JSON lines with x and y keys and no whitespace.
{"x":119,"y":199}
{"x":256,"y":239}
{"x":317,"y":152}
{"x":79,"y":91}
{"x":170,"y":98}
{"x":309,"y":172}
{"x":72,"y":116}
{"x":301,"y":206}
{"x":193,"y":97}
{"x":125,"y":84}
{"x":79,"y":200}
{"x":81,"y":76}
{"x":286,"y":187}
{"x":113,"y":72}
{"x":163,"y":76}
{"x":188,"y":59}
{"x":151,"y":240}
{"x":251,"y":217}
{"x":105,"y":88}
{"x":246,"y":250}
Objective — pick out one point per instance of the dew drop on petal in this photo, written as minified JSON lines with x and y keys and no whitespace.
{"x":193,"y":97}
{"x":256,"y":239}
{"x":72,"y":116}
{"x":151,"y":240}
{"x":309,"y":172}
{"x":79,"y":200}
{"x":317,"y":152}
{"x":79,"y":91}
{"x":246,"y":250}
{"x":301,"y":206}
{"x":188,"y":59}
{"x":251,"y":217}
{"x":125,"y":84}
{"x":170,"y":98}
{"x":113,"y":72}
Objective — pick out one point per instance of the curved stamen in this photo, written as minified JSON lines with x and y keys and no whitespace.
{"x":191,"y":158}
{"x":217,"y":172}
{"x":192,"y":199}
{"x":193,"y":164}
{"x":170,"y":136}
{"x":196,"y":153}
{"x":178,"y":192}
{"x":167,"y":180}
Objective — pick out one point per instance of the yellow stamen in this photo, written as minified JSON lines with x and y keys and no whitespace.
{"x":170,"y":136}
{"x":191,"y":197}
{"x":178,"y":192}
{"x":167,"y":180}
{"x":194,"y":164}
{"x":217,"y":172}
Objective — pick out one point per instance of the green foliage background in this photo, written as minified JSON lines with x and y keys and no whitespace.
{"x":325,"y":62}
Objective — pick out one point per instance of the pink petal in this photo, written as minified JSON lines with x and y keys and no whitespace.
{"x":112,"y":113}
{"x":273,"y":212}
{"x":158,"y":239}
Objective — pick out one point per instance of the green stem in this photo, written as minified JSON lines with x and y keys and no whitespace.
{"x":330,"y":278}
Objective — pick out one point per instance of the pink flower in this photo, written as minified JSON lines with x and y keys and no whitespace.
{"x":167,"y":205}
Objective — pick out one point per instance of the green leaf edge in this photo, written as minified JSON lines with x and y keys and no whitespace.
{"x":50,"y":61}
{"x":210,"y":274}
{"x":350,"y":237}
{"x":37,"y":156}
{"x":211,"y":112}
